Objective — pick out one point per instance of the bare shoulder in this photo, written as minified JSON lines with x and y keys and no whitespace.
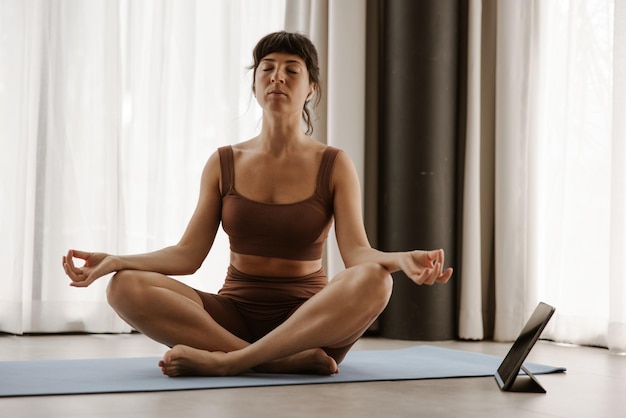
{"x":211,"y":174}
{"x":344,"y":172}
{"x":343,"y":162}
{"x":213,"y":162}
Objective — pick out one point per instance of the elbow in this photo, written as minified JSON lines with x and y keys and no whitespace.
{"x":189,"y":260}
{"x":193,"y":267}
{"x":195,"y":262}
{"x":184,"y":271}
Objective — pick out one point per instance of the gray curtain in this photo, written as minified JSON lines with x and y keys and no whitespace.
{"x":412,"y":148}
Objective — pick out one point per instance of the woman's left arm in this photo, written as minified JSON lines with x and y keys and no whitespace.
{"x":423,"y":267}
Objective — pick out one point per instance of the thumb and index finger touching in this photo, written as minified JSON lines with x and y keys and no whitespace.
{"x":437,"y":258}
{"x":76,"y":274}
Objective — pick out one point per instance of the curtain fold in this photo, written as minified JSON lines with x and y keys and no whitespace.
{"x":476,"y":294}
{"x":617,"y":259}
{"x":514,"y":158}
{"x":109,"y":113}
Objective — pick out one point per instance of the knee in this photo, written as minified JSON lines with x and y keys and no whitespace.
{"x":375,"y":284}
{"x":121,"y":287}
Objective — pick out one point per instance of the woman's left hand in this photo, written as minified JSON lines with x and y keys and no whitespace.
{"x":425,"y":267}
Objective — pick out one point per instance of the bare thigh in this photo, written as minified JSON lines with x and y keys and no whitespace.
{"x":172,"y":312}
{"x":132,"y":283}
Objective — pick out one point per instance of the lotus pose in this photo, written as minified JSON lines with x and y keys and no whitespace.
{"x":276,"y":196}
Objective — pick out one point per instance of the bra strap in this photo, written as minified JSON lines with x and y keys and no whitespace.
{"x":326,"y":170}
{"x":227,"y":166}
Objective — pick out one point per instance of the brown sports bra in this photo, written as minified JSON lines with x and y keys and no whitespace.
{"x":293,"y":231}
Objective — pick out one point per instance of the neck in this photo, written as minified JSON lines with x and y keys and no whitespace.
{"x":280,"y":134}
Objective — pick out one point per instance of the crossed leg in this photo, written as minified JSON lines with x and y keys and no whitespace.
{"x":334,"y":318}
{"x":172,"y":313}
{"x":168,"y":311}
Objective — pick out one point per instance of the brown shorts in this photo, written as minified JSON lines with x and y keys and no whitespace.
{"x":250,"y":306}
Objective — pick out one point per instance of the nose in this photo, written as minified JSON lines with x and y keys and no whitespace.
{"x":277,"y":76}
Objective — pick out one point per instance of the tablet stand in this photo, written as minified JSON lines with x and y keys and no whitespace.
{"x":528,"y":383}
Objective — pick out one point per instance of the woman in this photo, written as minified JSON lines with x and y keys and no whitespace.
{"x":276,"y":196}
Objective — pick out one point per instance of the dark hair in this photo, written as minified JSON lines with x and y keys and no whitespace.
{"x":296,"y":44}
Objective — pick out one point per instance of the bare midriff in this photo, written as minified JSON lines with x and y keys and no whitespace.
{"x":255,"y":265}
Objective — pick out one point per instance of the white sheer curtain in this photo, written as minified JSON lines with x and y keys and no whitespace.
{"x":557,"y":121}
{"x":580,"y":181}
{"x":108,"y":111}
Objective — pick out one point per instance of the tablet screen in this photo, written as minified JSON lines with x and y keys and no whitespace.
{"x":514,"y":359}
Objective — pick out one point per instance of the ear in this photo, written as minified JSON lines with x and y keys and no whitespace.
{"x":311,"y":91}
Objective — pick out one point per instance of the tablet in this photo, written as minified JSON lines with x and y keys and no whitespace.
{"x":507,"y":373}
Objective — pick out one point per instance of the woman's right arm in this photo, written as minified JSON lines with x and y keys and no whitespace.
{"x":183,"y":258}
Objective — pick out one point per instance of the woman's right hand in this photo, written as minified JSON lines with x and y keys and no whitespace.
{"x":96,"y":265}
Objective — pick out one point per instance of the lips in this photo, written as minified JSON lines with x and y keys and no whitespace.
{"x":277,"y":92}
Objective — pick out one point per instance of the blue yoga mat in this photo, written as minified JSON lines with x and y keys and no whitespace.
{"x":117,"y":375}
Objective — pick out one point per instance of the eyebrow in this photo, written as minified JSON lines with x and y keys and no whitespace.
{"x":288,"y":61}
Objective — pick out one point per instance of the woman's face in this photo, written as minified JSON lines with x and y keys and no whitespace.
{"x":281,"y":83}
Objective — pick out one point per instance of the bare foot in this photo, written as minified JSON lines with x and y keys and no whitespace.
{"x":182,"y":360}
{"x":313,"y":361}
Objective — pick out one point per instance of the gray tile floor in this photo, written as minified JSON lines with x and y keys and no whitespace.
{"x":594,"y":386}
